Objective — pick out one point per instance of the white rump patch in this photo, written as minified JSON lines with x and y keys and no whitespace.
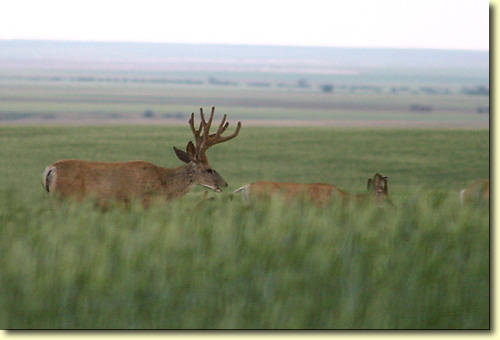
{"x":48,"y":178}
{"x":462,"y":193}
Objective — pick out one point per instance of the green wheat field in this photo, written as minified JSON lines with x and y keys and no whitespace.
{"x":226,"y":264}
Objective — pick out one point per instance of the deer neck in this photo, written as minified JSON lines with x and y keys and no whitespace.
{"x":178,"y":181}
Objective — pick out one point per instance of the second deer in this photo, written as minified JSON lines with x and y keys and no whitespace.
{"x":476,"y":192}
{"x":318,"y":193}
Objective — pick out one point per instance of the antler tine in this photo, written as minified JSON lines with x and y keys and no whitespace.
{"x":222,"y":126}
{"x":196,"y":132}
{"x":212,"y":114}
{"x":206,"y":129}
{"x":202,"y":116}
{"x":204,"y":122}
{"x":231,"y":136}
{"x":191,"y":124}
{"x":209,"y":123}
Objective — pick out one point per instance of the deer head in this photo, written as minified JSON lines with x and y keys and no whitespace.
{"x":195,"y":154}
{"x":378,"y":185}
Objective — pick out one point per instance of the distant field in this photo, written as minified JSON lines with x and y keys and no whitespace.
{"x":53,"y":102}
{"x":57,"y":82}
{"x":226,"y":265}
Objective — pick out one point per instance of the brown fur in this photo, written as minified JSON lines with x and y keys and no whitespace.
{"x":319,"y":193}
{"x":123,"y":181}
{"x":476,"y":192}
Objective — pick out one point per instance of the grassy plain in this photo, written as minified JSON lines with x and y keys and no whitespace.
{"x":423,"y":265}
{"x":435,"y":159}
{"x":52,"y":101}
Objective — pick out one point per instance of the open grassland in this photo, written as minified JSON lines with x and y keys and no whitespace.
{"x":224,"y":264}
{"x":434,"y":159}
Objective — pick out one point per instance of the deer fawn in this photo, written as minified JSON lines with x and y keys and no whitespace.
{"x":476,"y":192}
{"x":318,"y":193}
{"x":142,"y":180}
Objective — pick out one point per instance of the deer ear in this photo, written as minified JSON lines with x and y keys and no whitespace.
{"x":369,"y":184}
{"x":182,"y":155}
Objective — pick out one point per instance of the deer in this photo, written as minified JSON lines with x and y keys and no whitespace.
{"x":476,"y":192}
{"x":318,"y":193}
{"x":141,"y":180}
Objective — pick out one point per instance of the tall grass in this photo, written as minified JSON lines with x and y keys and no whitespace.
{"x":270,"y":265}
{"x":226,"y":264}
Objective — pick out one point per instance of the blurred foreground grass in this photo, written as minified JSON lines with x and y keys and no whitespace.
{"x":225,"y":264}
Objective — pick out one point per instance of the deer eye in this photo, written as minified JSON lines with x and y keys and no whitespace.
{"x":210,"y":171}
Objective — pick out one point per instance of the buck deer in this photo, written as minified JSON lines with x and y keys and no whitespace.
{"x":142,"y":180}
{"x":476,"y":192}
{"x":318,"y":193}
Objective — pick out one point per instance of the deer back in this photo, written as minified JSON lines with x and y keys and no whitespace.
{"x":119,"y":180}
{"x":476,"y":192}
{"x":318,"y":193}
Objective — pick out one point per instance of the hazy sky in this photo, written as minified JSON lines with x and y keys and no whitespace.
{"x":447,"y":24}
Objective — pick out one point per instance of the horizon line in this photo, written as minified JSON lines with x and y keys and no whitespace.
{"x":238,"y":44}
